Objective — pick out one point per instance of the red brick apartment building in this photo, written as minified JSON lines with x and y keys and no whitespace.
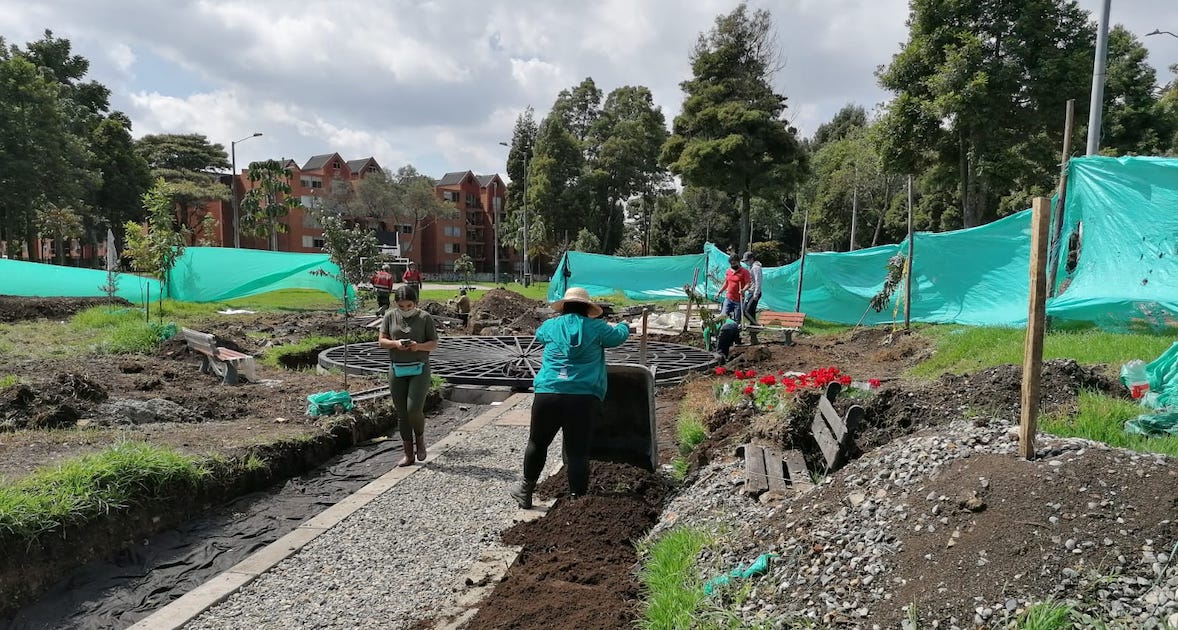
{"x":438,"y":245}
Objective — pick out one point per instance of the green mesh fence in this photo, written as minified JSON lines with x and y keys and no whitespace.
{"x":1124,"y":276}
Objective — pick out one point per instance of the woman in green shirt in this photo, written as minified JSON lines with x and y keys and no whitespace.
{"x":409,"y":335}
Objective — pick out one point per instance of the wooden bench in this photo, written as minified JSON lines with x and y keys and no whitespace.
{"x":226,"y":363}
{"x":775,"y":321}
{"x":832,"y":432}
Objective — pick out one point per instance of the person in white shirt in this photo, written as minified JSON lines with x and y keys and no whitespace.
{"x":753,"y":294}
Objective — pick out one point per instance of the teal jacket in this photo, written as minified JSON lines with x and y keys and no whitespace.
{"x":574,"y":354}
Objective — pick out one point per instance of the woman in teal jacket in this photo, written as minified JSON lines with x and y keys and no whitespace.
{"x":570,"y":389}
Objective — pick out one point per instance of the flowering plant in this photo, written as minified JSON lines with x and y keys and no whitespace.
{"x":770,"y":391}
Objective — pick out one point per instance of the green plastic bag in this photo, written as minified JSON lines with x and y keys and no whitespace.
{"x":326,"y":403}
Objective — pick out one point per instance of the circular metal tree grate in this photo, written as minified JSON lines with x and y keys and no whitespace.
{"x":512,"y":361}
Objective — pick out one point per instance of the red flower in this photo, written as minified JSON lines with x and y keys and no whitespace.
{"x":739,"y":374}
{"x":769,"y":379}
{"x":845,"y":380}
{"x":748,"y":391}
{"x":721,"y":370}
{"x":873,"y":382}
{"x":791,"y":387}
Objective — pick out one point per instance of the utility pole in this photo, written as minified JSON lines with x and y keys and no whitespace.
{"x":854,"y":205}
{"x":1099,"y":69}
{"x":233,"y":186}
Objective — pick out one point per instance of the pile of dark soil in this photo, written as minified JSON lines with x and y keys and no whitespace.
{"x":16,"y":308}
{"x":574,"y":571}
{"x":48,"y":403}
{"x":505,"y":310}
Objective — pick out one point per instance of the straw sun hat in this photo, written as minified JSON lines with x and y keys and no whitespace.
{"x":577,"y":294}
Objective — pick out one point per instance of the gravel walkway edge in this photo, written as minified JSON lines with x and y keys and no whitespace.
{"x":476,"y":450}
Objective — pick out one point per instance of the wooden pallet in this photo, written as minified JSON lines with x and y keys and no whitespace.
{"x":768,"y":469}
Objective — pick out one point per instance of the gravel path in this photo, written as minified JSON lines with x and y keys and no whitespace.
{"x":948,"y":520}
{"x":398,"y":559}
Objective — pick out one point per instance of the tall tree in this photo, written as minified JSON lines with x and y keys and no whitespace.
{"x":968,"y":64}
{"x":624,"y":161}
{"x":375,"y":196}
{"x":125,"y":174}
{"x":267,"y":202}
{"x":189,"y":163}
{"x":1134,"y":123}
{"x":555,"y":192}
{"x":60,"y":222}
{"x":731,"y":134}
{"x":417,"y":202}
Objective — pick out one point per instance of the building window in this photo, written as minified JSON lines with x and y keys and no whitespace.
{"x":452,"y":230}
{"x":472,"y":201}
{"x":307,"y":201}
{"x":335,"y":164}
{"x":405,"y":228}
{"x":311,"y":182}
{"x":315,"y":242}
{"x":452,"y":248}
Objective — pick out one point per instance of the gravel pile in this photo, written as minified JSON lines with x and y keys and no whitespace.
{"x":948,"y":529}
{"x":400,"y":558}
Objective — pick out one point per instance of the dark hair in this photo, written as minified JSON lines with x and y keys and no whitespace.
{"x":576,"y":308}
{"x":734,"y":260}
{"x":405,"y":293}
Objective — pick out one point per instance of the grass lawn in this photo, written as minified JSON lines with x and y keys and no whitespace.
{"x":1102,"y":418}
{"x":961,"y":349}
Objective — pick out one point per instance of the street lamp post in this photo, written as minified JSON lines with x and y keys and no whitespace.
{"x":527,"y":270}
{"x":233,"y":184}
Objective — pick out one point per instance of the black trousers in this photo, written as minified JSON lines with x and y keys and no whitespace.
{"x":575,"y":415}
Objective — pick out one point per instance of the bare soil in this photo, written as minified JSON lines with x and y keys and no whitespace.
{"x":17,"y":309}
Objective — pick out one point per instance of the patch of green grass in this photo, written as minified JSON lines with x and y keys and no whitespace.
{"x":679,"y":467}
{"x":100,"y":317}
{"x":819,"y":328}
{"x":673,"y":592}
{"x":287,"y":300}
{"x":961,"y":349}
{"x":1046,"y":616}
{"x":272,"y":356}
{"x":690,"y":431}
{"x":133,"y":337}
{"x":1102,"y":418}
{"x":92,"y":485}
{"x":8,"y":380}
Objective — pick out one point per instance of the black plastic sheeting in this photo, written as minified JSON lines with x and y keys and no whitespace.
{"x":121,"y":590}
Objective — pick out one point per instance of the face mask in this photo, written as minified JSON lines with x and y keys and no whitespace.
{"x":408,"y":312}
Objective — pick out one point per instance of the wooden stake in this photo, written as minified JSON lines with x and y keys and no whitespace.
{"x":1057,"y":247}
{"x":802,"y":262}
{"x":911,"y":269}
{"x":642,"y":341}
{"x":1036,"y":312}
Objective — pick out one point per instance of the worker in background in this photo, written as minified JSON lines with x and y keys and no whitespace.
{"x":461,"y":303}
{"x":382,"y":282}
{"x":736,"y":281}
{"x":412,"y":277}
{"x":752,"y":296}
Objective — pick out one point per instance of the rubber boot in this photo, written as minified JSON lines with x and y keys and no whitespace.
{"x":407,"y":460}
{"x":522,"y":493}
{"x":421,"y":454}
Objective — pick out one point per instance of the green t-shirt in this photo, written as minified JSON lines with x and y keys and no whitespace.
{"x":419,"y":327}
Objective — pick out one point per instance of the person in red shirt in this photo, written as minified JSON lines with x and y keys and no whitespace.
{"x":382,"y":281}
{"x":736,"y":281}
{"x":412,"y":276}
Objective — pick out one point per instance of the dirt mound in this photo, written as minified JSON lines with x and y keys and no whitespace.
{"x":15,"y":308}
{"x":48,"y":404}
{"x":571,"y":572}
{"x":507,"y":312}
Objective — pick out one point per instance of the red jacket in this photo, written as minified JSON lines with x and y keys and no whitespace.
{"x":411,"y":275}
{"x":382,"y":281}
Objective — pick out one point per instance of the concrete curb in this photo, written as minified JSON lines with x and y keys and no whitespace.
{"x":183,"y":610}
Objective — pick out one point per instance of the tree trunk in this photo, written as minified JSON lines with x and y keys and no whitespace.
{"x":746,"y":198}
{"x":963,"y":174}
{"x":883,"y":211}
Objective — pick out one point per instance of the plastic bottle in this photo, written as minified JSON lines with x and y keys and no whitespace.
{"x":1136,"y":378}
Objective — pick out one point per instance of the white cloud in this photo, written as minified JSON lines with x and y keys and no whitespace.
{"x":439,"y":82}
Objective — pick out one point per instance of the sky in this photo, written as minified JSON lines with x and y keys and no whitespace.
{"x":439,"y":83}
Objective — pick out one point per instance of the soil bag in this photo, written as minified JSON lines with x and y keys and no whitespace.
{"x":1156,"y":386}
{"x":326,"y":403}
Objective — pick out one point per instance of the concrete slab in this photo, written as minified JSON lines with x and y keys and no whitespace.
{"x":265,"y":559}
{"x":175,"y":615}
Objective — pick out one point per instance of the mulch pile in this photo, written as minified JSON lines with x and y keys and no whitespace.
{"x":503,"y":312}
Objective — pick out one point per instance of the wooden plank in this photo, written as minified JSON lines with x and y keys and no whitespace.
{"x":826,"y":441}
{"x":837,"y":428}
{"x":855,"y":416}
{"x":799,"y":475}
{"x":1036,"y":315}
{"x":754,"y":461}
{"x":775,"y":470}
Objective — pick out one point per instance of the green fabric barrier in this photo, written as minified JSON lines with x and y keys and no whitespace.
{"x":31,"y":279}
{"x":1125,"y":276}
{"x":327,"y":403}
{"x":1128,"y":267}
{"x":214,"y":274}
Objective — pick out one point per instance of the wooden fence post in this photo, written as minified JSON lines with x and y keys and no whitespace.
{"x":1036,"y":316}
